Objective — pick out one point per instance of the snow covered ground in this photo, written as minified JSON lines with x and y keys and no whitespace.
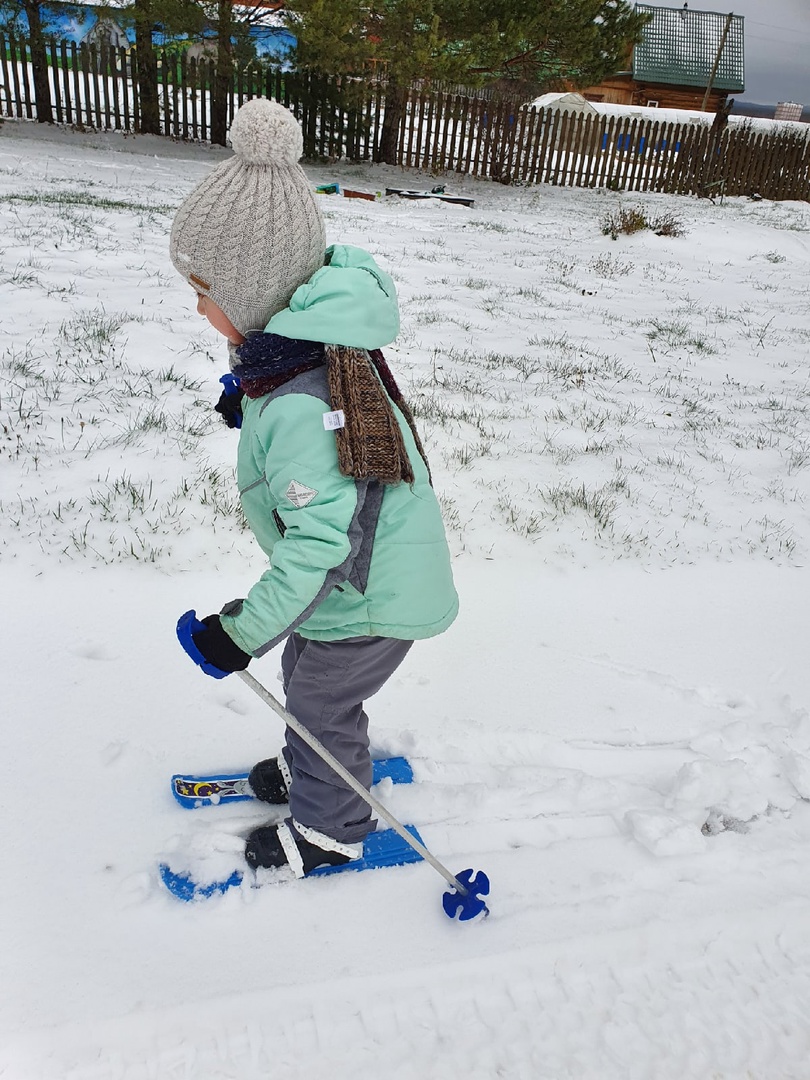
{"x":616,"y":729}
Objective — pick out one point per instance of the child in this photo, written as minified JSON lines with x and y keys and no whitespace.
{"x":331,"y":472}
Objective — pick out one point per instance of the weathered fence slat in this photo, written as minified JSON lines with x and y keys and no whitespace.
{"x":53,"y":72}
{"x":525,"y":142}
{"x":637,"y":149}
{"x":582,"y":159}
{"x":548,"y":122}
{"x":801,"y":189}
{"x":5,"y":99}
{"x":489,"y":162}
{"x":562,"y":156}
{"x":175,"y":97}
{"x":681,"y":158}
{"x":473,"y":134}
{"x":516,"y":136}
{"x":604,"y":138}
{"x":418,"y":111}
{"x":15,"y":72}
{"x":96,"y":89}
{"x":65,"y":70}
{"x":647,"y":155}
{"x":28,"y":92}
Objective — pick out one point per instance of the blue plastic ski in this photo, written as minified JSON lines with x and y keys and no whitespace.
{"x":195,"y":791}
{"x":380,"y":849}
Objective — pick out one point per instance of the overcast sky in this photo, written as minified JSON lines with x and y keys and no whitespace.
{"x":777,"y":47}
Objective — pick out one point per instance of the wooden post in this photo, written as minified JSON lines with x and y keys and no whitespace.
{"x":577,"y":155}
{"x":175,"y":95}
{"x":108,"y":84}
{"x":548,"y":131}
{"x":429,"y":133}
{"x":53,"y":64}
{"x":6,"y":82}
{"x":84,"y":54}
{"x":122,"y":55}
{"x":63,"y":59}
{"x":15,"y":75}
{"x":474,"y":133}
{"x":416,"y":110}
{"x":118,"y":86}
{"x":605,"y":148}
{"x":20,"y":69}
{"x":716,"y":63}
{"x":529,"y":138}
{"x":459,"y":104}
{"x":184,"y":91}
{"x":443,"y":118}
{"x":517,"y":141}
{"x":95,"y":83}
{"x":193,"y":86}
{"x":164,"y":78}
{"x":202,"y":71}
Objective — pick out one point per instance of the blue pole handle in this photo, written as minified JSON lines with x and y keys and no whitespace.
{"x":187,"y":626}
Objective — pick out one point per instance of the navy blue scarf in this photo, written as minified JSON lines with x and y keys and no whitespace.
{"x":267,"y":361}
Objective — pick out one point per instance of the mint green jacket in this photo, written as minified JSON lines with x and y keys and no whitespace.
{"x":348,"y":558}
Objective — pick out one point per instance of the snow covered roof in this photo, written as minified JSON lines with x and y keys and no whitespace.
{"x":571,"y":101}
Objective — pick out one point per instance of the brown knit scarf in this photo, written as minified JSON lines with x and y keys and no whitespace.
{"x":370,"y":446}
{"x":361,"y":385}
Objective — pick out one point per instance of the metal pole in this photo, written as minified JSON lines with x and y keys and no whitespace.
{"x":716,"y":64}
{"x":347,"y":777}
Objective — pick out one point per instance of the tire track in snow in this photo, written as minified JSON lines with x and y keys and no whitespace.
{"x":544,"y":1014}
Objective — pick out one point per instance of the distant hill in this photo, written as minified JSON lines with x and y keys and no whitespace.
{"x":751,"y":108}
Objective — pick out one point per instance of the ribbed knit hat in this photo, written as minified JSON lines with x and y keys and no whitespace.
{"x":251,"y":232}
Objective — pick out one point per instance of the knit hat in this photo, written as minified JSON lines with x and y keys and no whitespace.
{"x":251,"y":233}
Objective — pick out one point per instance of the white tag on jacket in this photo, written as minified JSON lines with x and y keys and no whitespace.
{"x":299,"y":494}
{"x":334,"y":420}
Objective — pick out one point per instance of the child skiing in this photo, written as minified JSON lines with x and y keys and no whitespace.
{"x":331,"y":472}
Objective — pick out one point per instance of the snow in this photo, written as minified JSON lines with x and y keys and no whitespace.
{"x":616,"y":729}
{"x":577,"y":103}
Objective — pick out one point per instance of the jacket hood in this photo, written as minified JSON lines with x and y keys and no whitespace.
{"x":350,"y":301}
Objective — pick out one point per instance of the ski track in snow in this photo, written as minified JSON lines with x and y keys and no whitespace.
{"x":616,"y":729}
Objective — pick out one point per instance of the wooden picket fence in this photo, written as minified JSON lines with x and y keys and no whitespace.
{"x":506,"y":141}
{"x":514,"y":143}
{"x":97,"y":88}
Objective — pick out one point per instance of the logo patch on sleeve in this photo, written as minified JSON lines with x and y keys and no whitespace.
{"x":299,"y":494}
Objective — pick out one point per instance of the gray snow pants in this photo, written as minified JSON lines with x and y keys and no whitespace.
{"x":326,"y":683}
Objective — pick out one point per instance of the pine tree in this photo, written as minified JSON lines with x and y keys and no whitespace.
{"x":231,"y":28}
{"x":39,"y":62}
{"x":575,"y":42}
{"x":169,"y":17}
{"x":571,"y":42}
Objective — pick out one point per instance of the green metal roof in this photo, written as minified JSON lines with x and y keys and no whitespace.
{"x":679,"y":46}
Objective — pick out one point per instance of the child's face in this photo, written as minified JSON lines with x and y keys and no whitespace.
{"x":218,"y":319}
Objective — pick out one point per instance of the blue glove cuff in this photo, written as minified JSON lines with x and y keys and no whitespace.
{"x":188,"y":625}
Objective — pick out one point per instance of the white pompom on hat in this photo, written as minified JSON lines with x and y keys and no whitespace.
{"x":251,"y":233}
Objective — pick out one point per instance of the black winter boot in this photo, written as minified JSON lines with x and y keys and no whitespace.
{"x":268,"y":782}
{"x":272,"y":846}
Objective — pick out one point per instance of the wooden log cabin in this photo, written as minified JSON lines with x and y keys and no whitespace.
{"x":672,"y":64}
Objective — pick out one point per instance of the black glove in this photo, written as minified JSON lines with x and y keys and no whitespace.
{"x":229,"y":406}
{"x":218,"y":648}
